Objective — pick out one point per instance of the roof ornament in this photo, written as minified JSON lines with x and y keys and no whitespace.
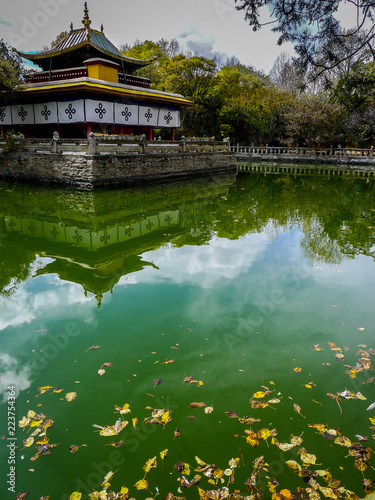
{"x":86,"y":20}
{"x":71,"y":26}
{"x":102,"y":28}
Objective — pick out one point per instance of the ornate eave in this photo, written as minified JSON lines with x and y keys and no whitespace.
{"x":103,"y":87}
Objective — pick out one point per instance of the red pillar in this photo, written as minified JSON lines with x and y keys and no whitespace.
{"x":88,"y":130}
{"x":173,"y":130}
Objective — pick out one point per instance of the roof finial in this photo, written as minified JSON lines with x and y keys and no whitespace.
{"x":86,"y":20}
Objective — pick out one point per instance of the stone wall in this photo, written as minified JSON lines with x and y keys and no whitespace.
{"x":90,"y":171}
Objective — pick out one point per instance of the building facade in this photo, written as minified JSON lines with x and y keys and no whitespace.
{"x":85,"y":84}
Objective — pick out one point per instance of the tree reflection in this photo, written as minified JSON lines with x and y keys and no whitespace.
{"x":95,"y":238}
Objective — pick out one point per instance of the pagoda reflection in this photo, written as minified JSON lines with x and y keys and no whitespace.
{"x":95,"y":238}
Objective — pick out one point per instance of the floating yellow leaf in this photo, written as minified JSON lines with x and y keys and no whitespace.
{"x":285,"y":446}
{"x":286,"y":494}
{"x":372,"y":420}
{"x":264,"y":434}
{"x":69,"y":396}
{"x":259,"y":395}
{"x":209,"y":409}
{"x":150,"y":464}
{"x":124,"y":490}
{"x":36,"y":423}
{"x":292,"y":464}
{"x":28,"y":442}
{"x":202,"y":494}
{"x":295,"y":440}
{"x":343,"y":441}
{"x":328,"y":492}
{"x":135,"y":422}
{"x":30,"y":414}
{"x":166,"y":418}
{"x":307,"y":458}
{"x":108,"y":430}
{"x":75,"y":496}
{"x":142,"y":484}
{"x":44,"y":389}
{"x":26,"y":421}
{"x":297,"y":369}
{"x":163,"y":453}
{"x":101,"y":371}
{"x":308,"y":386}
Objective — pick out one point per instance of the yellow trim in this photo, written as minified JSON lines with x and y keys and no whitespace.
{"x":112,"y":90}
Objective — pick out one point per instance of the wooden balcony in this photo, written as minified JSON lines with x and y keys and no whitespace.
{"x":82,"y":72}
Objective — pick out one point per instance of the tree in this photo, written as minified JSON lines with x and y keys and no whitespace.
{"x":286,"y":74}
{"x":313,"y":120}
{"x":252,"y":108}
{"x":312,"y":24}
{"x":195,"y":78}
{"x":11,"y":73}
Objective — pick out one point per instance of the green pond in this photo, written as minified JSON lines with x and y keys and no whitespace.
{"x":245,"y":284}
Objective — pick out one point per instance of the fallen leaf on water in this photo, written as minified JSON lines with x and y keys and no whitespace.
{"x":142,"y":484}
{"x":168,"y":361}
{"x":231,"y":414}
{"x":177,"y":433}
{"x":208,"y":409}
{"x":197,"y":405}
{"x":259,"y":395}
{"x":22,"y":495}
{"x":157,"y":381}
{"x":298,"y":409}
{"x":150,"y":464}
{"x":69,"y":396}
{"x":101,"y":371}
{"x":297,"y":369}
{"x":28,"y":442}
{"x":44,"y":389}
{"x":307,"y":458}
{"x":93,"y":347}
{"x":75,"y":496}
{"x":58,"y":390}
{"x":163,"y":453}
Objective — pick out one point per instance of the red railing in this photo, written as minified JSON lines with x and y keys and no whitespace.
{"x":136,"y":81}
{"x":62,"y":74}
{"x":82,"y":72}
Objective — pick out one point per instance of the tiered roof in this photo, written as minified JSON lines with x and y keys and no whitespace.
{"x":80,"y":45}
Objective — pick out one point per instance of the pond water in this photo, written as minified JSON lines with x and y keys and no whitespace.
{"x":257,"y":289}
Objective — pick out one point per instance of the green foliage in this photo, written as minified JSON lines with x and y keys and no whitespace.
{"x":252,"y":107}
{"x":312,"y":120}
{"x":10,"y":73}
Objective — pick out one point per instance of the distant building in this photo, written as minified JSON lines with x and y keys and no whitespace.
{"x":87,"y":85}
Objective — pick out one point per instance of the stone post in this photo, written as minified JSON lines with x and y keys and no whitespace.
{"x":55,"y":138}
{"x":92,"y":144}
{"x":183,"y":144}
{"x":143,"y":144}
{"x":213,"y":144}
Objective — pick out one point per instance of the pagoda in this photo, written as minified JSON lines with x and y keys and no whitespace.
{"x":87,"y":85}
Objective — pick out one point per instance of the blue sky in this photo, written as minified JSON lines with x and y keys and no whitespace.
{"x":210,"y":27}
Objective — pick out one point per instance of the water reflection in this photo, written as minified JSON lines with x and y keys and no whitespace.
{"x":95,"y":238}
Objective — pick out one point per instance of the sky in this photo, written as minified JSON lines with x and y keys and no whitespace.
{"x":209,"y":27}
